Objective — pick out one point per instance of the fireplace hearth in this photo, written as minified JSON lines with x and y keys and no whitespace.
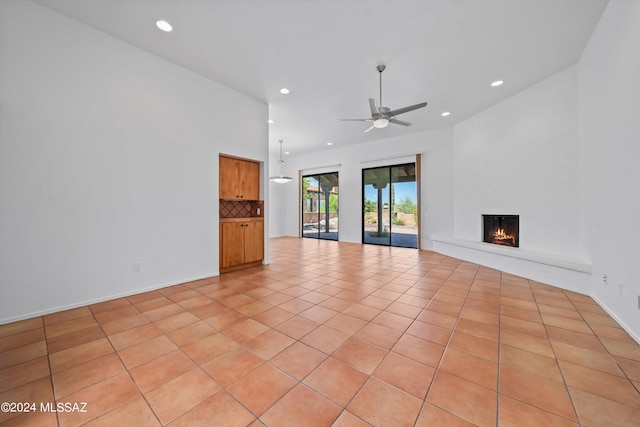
{"x":501,"y":230}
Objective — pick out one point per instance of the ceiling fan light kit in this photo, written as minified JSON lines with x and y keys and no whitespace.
{"x":280,"y":179}
{"x":382,"y":116}
{"x":380,"y":123}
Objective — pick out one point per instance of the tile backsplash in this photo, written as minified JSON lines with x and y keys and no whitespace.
{"x":241,"y":208}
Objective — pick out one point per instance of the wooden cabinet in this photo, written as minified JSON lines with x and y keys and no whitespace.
{"x":241,"y":243}
{"x":239,"y":179}
{"x":254,"y":241}
{"x":241,"y":214}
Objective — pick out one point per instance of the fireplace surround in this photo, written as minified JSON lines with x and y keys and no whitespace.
{"x":501,"y":230}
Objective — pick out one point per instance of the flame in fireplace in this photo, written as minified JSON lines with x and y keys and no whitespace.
{"x":499,"y":234}
{"x":500,"y":237}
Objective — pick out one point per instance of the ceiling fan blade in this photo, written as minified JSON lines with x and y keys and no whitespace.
{"x":369,"y":129}
{"x":373,"y":106}
{"x":406,"y":109}
{"x":399,"y":122}
{"x":355,"y":120}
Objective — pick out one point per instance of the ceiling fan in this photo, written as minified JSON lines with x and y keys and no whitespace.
{"x":382,"y":116}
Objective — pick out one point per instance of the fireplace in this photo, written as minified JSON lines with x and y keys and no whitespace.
{"x":501,"y":229}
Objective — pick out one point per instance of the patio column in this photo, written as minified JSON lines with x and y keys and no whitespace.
{"x":380,"y":186}
{"x":326,"y":189}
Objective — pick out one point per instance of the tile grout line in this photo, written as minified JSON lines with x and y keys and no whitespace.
{"x":343,"y":408}
{"x":446,"y":347}
{"x":612,"y":356}
{"x":144,"y":397}
{"x":555,"y":356}
{"x":387,"y":354}
{"x":199,"y":365}
{"x":53,"y":389}
{"x":264,"y":362}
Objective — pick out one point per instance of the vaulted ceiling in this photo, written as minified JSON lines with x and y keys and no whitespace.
{"x":445,"y":52}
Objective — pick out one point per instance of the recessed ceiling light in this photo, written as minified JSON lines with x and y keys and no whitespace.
{"x":164,"y":25}
{"x":497,"y":83}
{"x":271,"y":122}
{"x":329,"y":143}
{"x":284,"y":91}
{"x":286,"y":152}
{"x":445,"y":114}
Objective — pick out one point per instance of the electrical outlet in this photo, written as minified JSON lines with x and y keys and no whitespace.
{"x":638,"y":302}
{"x":136,"y":267}
{"x":605,"y":279}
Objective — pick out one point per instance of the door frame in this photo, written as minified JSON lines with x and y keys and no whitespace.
{"x":326,"y":204}
{"x":418,"y":170}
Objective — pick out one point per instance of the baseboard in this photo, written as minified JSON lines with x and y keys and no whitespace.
{"x":620,"y":322}
{"x":241,"y":266}
{"x":31,"y":315}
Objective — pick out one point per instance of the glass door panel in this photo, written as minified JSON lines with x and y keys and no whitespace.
{"x":310,"y":207}
{"x":376,"y":206}
{"x":404,"y":206}
{"x":390,"y":206}
{"x":320,"y":206}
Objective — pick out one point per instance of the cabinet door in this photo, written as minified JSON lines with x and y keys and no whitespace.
{"x":254,"y":241}
{"x":249,"y":183}
{"x":229,"y":176}
{"x":232,"y":244}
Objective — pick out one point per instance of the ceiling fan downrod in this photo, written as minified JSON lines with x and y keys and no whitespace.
{"x":381,"y":68}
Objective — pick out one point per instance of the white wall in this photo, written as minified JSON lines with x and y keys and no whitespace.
{"x":437,"y":184}
{"x":609,"y":85}
{"x":277,"y":207}
{"x":521,"y":157}
{"x":108,"y":157}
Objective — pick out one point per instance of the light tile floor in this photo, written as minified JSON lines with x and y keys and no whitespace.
{"x":330,"y":333}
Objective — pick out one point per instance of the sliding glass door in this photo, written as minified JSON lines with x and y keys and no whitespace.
{"x":320,"y":206}
{"x":389,"y":205}
{"x":376,"y":206}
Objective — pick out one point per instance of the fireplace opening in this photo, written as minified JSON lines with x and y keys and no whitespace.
{"x":501,"y":229}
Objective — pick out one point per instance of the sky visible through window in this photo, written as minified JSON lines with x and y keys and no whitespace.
{"x":401,"y":190}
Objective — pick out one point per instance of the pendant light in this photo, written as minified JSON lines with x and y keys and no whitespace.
{"x":280,"y":179}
